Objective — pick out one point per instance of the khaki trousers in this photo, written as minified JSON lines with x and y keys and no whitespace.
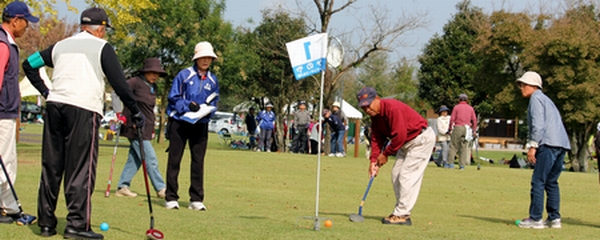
{"x":459,"y":145}
{"x":408,"y":170}
{"x":8,"y":151}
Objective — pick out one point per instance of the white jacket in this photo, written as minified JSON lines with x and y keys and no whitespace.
{"x":443,"y":124}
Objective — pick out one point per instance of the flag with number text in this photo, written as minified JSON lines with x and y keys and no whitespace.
{"x":308,"y":55}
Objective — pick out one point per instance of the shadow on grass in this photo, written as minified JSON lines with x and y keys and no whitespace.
{"x":378,"y":218}
{"x":61,"y":225}
{"x":570,"y":221}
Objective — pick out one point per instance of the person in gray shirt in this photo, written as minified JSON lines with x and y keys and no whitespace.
{"x":301,"y":122}
{"x":548,"y":143}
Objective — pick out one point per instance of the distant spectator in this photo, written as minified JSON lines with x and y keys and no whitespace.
{"x":301,"y":122}
{"x":251,"y":127}
{"x":337,"y":133}
{"x":443,"y":124}
{"x":462,"y":125}
{"x":266,"y":119}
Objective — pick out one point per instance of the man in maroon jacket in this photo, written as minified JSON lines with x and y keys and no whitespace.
{"x":462,"y":125}
{"x":410,"y":139}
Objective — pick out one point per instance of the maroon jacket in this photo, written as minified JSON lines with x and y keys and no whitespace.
{"x":397,"y":122}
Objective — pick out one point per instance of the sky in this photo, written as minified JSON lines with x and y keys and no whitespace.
{"x":435,"y":12}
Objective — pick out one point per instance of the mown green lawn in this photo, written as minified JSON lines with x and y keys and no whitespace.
{"x":253,"y":195}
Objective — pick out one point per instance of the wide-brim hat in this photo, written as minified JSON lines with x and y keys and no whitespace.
{"x":444,"y":108}
{"x":531,"y":78}
{"x":269,"y":105}
{"x":204,"y":49}
{"x":153,"y":65}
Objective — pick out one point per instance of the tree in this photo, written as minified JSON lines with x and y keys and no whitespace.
{"x":171,"y":35}
{"x":567,"y":59}
{"x":448,"y":65}
{"x":273,"y":77}
{"x":379,"y":35}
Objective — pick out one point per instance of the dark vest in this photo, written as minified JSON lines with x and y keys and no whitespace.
{"x":10,"y":95}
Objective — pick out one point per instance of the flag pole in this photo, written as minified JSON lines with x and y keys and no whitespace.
{"x":317,"y":223}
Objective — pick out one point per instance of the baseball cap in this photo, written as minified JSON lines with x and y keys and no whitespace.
{"x":19,"y":9}
{"x":365,"y":96}
{"x":95,"y":16}
{"x":531,"y":78}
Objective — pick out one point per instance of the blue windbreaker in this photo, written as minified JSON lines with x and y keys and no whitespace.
{"x":189,"y":86}
{"x":266,"y":119}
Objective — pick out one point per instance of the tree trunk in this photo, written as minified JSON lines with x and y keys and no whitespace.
{"x":579,"y":152}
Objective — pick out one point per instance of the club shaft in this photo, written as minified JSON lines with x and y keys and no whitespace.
{"x":12,"y":188}
{"x":112,"y":164}
{"x":143,"y":157}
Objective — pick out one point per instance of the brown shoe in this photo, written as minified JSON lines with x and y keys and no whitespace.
{"x":393,"y":219}
{"x":161,"y":193}
{"x":125,"y":192}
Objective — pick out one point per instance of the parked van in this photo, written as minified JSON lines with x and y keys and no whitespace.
{"x":225,"y":122}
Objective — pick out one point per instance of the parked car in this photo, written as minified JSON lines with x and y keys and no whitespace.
{"x":108,"y":116}
{"x":225,"y":122}
{"x":31,"y":112}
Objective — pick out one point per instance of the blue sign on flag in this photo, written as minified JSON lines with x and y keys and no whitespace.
{"x":308,"y":55}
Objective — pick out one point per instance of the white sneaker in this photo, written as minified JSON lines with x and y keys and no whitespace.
{"x":552,"y":224}
{"x":162,"y":193}
{"x":125,"y":192}
{"x":331,"y":155}
{"x":198,"y":206}
{"x":339,"y":155}
{"x":529,"y":223}
{"x":172,"y":205}
{"x":268,"y":150}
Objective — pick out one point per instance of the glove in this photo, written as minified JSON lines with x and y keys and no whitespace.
{"x":138,"y":120}
{"x":194,"y":107}
{"x":45,"y":94}
{"x":121,"y":118}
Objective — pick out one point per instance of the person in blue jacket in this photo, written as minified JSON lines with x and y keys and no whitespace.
{"x":193,"y":89}
{"x":337,"y":133}
{"x":266,"y":119}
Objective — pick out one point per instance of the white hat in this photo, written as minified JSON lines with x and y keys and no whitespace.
{"x":269,"y":105}
{"x":531,"y":78}
{"x":336,"y":104}
{"x":203,"y":49}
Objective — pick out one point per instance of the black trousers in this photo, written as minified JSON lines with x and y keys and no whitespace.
{"x":69,"y":149}
{"x":182,"y":132}
{"x":300,"y":140}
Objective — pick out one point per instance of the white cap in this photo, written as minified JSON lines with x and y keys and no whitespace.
{"x":203,"y":49}
{"x":336,"y":104}
{"x":531,"y":78}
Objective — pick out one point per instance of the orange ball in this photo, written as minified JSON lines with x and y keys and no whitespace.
{"x":328,"y":223}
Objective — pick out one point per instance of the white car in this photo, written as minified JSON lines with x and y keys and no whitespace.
{"x":225,"y":122}
{"x":108,"y":116}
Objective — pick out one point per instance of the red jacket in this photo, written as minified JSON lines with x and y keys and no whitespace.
{"x":397,"y":122}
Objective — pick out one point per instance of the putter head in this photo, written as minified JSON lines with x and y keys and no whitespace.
{"x":154,"y":234}
{"x":356,"y":218}
{"x":26,"y":219}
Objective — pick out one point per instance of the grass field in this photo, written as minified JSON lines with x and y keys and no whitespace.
{"x":253,"y":195}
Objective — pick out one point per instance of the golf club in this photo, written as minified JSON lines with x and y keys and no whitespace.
{"x":151,"y":233}
{"x":359,"y":217}
{"x":112,"y":164}
{"x":24,"y":219}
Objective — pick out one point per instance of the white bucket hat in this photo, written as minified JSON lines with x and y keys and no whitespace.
{"x":531,"y":78}
{"x":336,"y":104}
{"x":203,"y":49}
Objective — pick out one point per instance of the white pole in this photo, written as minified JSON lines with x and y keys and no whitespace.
{"x":317,"y":224}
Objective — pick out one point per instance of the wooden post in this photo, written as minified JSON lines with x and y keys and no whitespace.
{"x":18,"y":123}
{"x":356,"y":137}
